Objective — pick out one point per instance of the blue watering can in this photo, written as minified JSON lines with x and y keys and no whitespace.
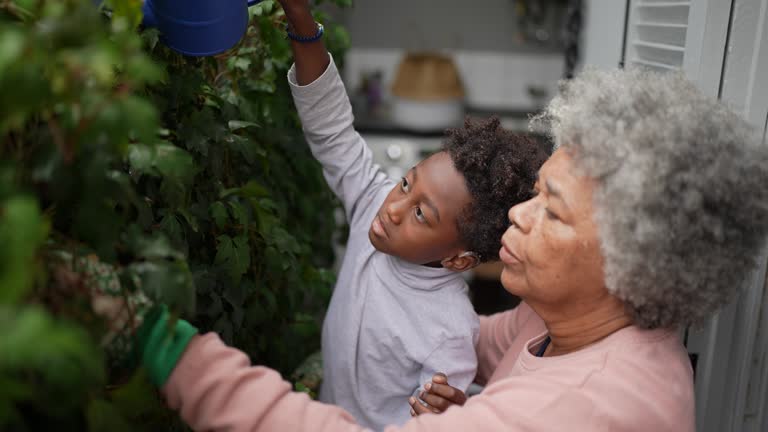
{"x":198,"y":27}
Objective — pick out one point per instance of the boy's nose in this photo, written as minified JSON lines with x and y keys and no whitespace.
{"x":395,"y":210}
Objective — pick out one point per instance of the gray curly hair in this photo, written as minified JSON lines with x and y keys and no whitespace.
{"x":681,"y":201}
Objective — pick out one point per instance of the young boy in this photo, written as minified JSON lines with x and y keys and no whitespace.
{"x":400,"y":311}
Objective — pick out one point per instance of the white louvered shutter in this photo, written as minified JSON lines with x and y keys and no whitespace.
{"x":656,"y":33}
{"x":679,"y":35}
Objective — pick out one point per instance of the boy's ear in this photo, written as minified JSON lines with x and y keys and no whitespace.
{"x":461,"y":262}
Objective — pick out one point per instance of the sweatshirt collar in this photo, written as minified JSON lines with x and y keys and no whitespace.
{"x":416,"y":276}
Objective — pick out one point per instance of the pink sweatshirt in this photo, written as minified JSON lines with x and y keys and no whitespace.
{"x":633,"y":380}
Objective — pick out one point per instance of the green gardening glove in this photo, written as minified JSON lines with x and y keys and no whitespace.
{"x":160,"y":342}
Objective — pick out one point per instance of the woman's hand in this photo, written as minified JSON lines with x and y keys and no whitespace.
{"x":121,"y":310}
{"x":438,"y":396}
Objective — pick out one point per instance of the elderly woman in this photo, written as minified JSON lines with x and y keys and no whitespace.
{"x":646,"y":218}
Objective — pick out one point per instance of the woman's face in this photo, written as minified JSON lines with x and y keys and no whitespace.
{"x":551,"y":252}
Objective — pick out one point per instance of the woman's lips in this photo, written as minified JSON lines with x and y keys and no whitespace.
{"x":507,"y":256}
{"x":378,"y":227}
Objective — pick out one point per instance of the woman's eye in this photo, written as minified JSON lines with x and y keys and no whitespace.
{"x":404,"y":185}
{"x":420,"y":215}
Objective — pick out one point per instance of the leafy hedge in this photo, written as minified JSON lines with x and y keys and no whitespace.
{"x":126,"y":163}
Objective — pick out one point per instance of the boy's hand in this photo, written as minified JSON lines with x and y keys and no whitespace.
{"x":299,"y":16}
{"x":295,"y":8}
{"x":438,"y":396}
{"x":294,"y":4}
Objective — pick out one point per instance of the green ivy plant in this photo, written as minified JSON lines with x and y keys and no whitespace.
{"x":186,"y":178}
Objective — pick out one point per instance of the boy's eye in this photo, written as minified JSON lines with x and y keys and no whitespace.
{"x":420,"y":215}
{"x":404,"y":185}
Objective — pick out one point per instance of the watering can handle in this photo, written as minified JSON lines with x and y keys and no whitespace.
{"x":253,"y":2}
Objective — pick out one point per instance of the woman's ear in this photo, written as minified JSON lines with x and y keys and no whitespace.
{"x":461,"y":262}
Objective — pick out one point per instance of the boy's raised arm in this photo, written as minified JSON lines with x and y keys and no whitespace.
{"x":326,"y":116}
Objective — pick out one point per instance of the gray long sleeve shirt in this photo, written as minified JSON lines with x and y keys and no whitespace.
{"x":391,"y":324}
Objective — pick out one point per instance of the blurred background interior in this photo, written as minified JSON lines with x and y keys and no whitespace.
{"x":416,"y":68}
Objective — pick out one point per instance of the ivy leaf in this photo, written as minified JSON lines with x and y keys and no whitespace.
{"x":198,"y":143}
{"x":143,"y":69}
{"x":263,"y":8}
{"x":189,"y":217}
{"x":233,"y":255}
{"x":284,"y":241}
{"x":174,"y":163}
{"x":252,"y":189}
{"x":275,"y":261}
{"x":238,"y":212}
{"x":168,"y":282}
{"x":269,"y":296}
{"x":11,"y":47}
{"x":172,"y":228}
{"x":22,"y":230}
{"x":165,"y":160}
{"x":128,"y":9}
{"x":242,"y":63}
{"x":245,"y":147}
{"x":139,"y":117}
{"x":150,"y":247}
{"x":243,"y":251}
{"x":219,"y":214}
{"x":141,"y":158}
{"x":224,"y":249}
{"x":240,"y":124}
{"x":150,"y":37}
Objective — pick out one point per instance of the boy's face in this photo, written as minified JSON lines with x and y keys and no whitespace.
{"x":417,"y":221}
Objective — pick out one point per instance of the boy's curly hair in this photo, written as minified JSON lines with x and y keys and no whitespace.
{"x":500,"y":168}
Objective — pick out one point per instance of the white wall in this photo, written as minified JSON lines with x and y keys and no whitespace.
{"x":603,"y":31}
{"x":487,"y":25}
{"x":492,"y":80}
{"x":496,"y":64}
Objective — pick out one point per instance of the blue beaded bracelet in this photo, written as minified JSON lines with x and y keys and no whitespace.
{"x":304,"y":39}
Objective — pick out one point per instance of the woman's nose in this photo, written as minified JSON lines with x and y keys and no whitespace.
{"x":395,"y":210}
{"x":521,"y":215}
